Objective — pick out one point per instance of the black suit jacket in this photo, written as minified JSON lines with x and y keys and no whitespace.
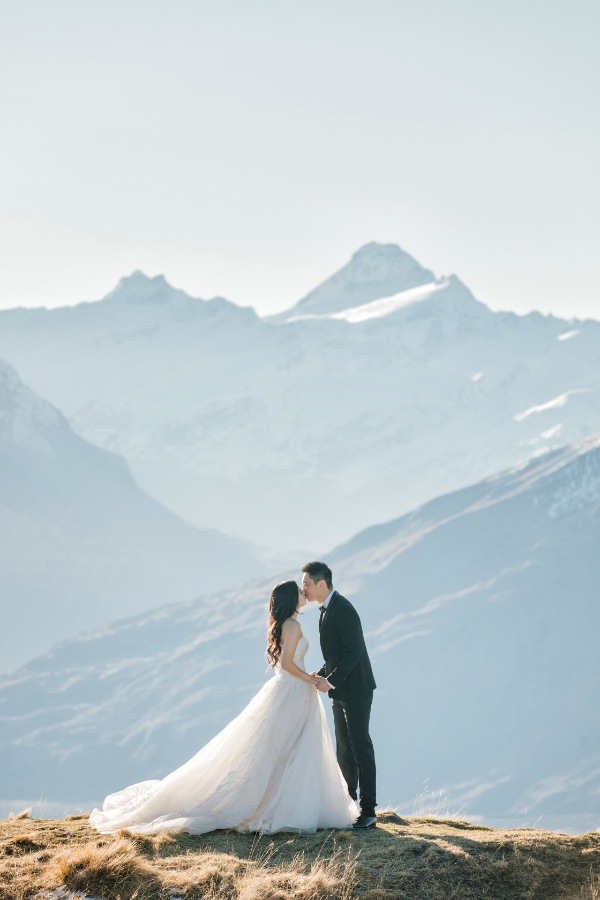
{"x":347,"y":664}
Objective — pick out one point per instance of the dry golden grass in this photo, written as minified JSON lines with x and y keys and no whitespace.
{"x":117,"y":869}
{"x":414,"y":859}
{"x":591,"y":890}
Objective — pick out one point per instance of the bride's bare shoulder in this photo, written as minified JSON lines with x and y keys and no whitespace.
{"x":291,"y":633}
{"x":291,"y":626}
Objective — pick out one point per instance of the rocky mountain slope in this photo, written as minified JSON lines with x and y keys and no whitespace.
{"x":481,"y":616}
{"x":80,"y":543}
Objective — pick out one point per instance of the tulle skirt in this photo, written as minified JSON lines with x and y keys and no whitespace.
{"x":273,"y":768}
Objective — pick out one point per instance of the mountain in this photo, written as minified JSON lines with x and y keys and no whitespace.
{"x":375,"y":271}
{"x":300,"y":431}
{"x":80,"y":544}
{"x":481,"y":617}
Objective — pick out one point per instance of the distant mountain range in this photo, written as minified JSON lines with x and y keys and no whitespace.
{"x":80,"y":543}
{"x":481,"y":615}
{"x":384,"y":387}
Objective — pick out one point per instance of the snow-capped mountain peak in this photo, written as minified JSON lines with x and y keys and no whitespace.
{"x":374,"y":271}
{"x":379,"y":262}
{"x":420,"y":391}
{"x":155,"y":300}
{"x":139,"y":288}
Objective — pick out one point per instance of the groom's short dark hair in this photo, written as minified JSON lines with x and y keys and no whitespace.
{"x":318,"y":571}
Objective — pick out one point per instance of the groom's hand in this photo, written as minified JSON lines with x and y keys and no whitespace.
{"x":322,"y":684}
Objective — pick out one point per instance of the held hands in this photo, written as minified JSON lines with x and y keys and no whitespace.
{"x":320,"y":683}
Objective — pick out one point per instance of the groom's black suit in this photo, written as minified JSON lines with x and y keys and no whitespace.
{"x":348,"y":669}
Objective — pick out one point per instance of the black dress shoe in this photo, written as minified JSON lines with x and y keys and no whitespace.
{"x":365,"y":821}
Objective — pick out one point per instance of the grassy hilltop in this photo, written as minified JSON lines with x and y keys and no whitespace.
{"x":415,"y":859}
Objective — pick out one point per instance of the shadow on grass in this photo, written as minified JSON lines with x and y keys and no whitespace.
{"x":423,"y":859}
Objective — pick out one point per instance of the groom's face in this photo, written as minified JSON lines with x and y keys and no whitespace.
{"x":310,"y":589}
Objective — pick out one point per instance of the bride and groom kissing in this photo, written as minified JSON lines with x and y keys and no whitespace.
{"x":273,"y":767}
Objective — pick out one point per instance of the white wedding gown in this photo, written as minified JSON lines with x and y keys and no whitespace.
{"x":273,"y":768}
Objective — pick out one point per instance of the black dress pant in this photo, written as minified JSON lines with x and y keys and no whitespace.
{"x":354,"y":747}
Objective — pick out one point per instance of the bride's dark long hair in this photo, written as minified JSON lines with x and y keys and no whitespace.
{"x":283,"y":603}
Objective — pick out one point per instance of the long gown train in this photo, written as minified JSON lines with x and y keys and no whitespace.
{"x":273,"y":768}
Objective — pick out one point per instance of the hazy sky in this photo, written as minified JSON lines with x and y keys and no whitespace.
{"x":248,"y":148}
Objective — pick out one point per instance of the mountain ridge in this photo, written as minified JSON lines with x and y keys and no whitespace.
{"x":148,"y":288}
{"x":231,"y":420}
{"x":80,"y":541}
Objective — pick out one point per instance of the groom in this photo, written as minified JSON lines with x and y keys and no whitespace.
{"x":348,"y":678}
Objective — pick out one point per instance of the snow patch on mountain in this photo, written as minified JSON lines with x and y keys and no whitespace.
{"x":567,"y":335}
{"x":447,"y":298}
{"x":551,"y":432}
{"x":377,"y":309}
{"x":555,"y":403}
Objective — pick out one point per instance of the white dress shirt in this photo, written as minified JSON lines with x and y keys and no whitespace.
{"x":328,"y":598}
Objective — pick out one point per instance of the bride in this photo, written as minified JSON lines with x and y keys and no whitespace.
{"x":273,"y":768}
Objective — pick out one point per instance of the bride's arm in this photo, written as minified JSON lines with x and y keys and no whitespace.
{"x":290,"y":635}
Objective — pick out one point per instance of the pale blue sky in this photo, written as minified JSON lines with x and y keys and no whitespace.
{"x":249,"y":148}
